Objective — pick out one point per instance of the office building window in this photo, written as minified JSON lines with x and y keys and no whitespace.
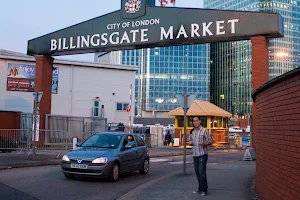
{"x":125,"y":106}
{"x":122,"y":106}
{"x":96,"y":112}
{"x":119,"y":106}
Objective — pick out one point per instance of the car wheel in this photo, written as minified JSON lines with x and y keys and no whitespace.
{"x":69,"y":176}
{"x":115,"y":174}
{"x":145,"y":168}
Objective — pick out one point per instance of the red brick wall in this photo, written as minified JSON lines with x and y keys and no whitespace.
{"x":260,"y":72}
{"x":242,"y":123}
{"x":278,"y":138}
{"x":43,"y":83}
{"x":10,"y":120}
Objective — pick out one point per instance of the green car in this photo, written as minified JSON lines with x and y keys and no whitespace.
{"x":107,"y":155}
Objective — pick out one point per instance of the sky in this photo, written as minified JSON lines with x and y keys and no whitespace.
{"x":22,"y":20}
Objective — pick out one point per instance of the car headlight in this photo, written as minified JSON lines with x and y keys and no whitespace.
{"x":100,"y":160}
{"x":66,"y":158}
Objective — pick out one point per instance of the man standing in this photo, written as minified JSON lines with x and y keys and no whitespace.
{"x":200,"y":139}
{"x":168,"y":138}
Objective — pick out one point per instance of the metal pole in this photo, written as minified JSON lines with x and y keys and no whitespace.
{"x":66,"y":147}
{"x":184,"y":119}
{"x":157,"y":135}
{"x":34,"y":125}
{"x":251,"y":135}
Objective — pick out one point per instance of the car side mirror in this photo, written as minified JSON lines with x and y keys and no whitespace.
{"x":128,"y":146}
{"x":77,"y":144}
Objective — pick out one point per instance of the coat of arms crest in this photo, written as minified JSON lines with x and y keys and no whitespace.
{"x":132,"y":6}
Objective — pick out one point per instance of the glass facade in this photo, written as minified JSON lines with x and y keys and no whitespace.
{"x":165,"y":72}
{"x":230,"y":62}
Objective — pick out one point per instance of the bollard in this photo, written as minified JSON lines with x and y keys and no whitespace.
{"x":74,"y":142}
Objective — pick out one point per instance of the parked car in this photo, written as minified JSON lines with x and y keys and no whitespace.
{"x":107,"y":155}
{"x":8,"y":144}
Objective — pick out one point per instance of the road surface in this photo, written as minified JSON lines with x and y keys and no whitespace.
{"x":48,"y":182}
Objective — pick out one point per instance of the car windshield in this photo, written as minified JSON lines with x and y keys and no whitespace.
{"x":103,"y":141}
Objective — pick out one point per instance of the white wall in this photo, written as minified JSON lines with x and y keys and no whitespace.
{"x":77,"y":87}
{"x":10,"y":100}
{"x":75,"y":97}
{"x":156,"y":114}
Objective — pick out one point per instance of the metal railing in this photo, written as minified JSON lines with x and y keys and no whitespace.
{"x":15,"y":139}
{"x":58,"y":140}
{"x":54,"y":140}
{"x":150,"y":140}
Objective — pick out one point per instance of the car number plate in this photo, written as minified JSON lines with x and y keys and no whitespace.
{"x":79,"y":166}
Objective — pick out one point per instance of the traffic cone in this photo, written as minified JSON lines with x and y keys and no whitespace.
{"x":249,"y":155}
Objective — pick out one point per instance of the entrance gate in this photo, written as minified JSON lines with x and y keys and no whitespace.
{"x":139,"y":24}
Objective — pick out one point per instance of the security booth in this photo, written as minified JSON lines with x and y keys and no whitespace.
{"x":213,"y":118}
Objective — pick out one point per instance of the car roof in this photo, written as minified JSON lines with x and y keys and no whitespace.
{"x":110,"y":133}
{"x":115,"y":133}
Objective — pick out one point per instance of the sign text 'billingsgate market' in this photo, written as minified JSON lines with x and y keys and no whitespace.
{"x":141,"y":35}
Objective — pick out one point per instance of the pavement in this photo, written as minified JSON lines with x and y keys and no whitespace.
{"x":19,"y":159}
{"x":226,"y":181}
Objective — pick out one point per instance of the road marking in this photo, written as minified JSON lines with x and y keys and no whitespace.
{"x":212,"y":163}
{"x":179,"y":162}
{"x":159,"y":160}
{"x":173,"y":162}
{"x":169,"y":161}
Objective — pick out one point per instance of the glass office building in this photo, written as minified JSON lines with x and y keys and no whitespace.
{"x":230,"y":62}
{"x":165,"y":72}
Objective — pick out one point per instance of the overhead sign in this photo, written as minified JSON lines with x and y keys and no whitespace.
{"x":139,"y":26}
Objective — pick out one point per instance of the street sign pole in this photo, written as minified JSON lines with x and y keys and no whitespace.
{"x":185,"y":102}
{"x":34,"y":125}
{"x":37,"y":98}
{"x":184,"y":131}
{"x":251,"y":135}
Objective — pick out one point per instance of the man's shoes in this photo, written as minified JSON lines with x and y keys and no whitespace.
{"x":203,"y":193}
{"x":199,"y":192}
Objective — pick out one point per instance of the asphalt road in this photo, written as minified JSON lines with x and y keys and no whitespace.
{"x":48,"y":183}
